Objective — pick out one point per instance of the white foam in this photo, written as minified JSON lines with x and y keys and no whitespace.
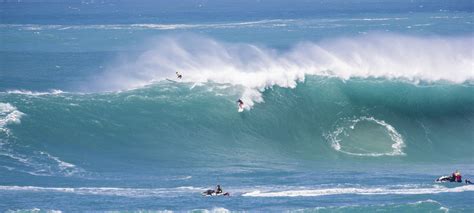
{"x":152,"y":26}
{"x":256,"y":68}
{"x":360,"y":191}
{"x":397,"y":146}
{"x":271,"y":192}
{"x":214,"y":210}
{"x":8,"y":115}
{"x":33,"y":210}
{"x":378,"y":19}
{"x":111,"y":191}
{"x":35,"y":93}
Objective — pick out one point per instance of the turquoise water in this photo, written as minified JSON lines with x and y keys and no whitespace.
{"x":348,"y":107}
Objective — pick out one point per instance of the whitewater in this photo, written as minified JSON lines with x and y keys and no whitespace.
{"x":348,"y":107}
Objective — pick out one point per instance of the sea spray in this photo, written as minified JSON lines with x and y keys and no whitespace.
{"x":256,"y":68}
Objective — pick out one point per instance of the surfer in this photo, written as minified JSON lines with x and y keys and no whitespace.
{"x":241,"y":103}
{"x":179,"y":76}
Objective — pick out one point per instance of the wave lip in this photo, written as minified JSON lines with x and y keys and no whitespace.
{"x":153,"y":26}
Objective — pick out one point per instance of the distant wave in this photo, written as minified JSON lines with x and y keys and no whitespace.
{"x":144,"y":26}
{"x":256,"y":68}
{"x":213,"y":210}
{"x":219,"y":25}
{"x":36,"y":210}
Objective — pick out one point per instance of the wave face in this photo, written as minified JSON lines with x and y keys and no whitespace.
{"x":322,"y":118}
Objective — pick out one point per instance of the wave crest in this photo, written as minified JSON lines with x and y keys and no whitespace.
{"x":257,"y":68}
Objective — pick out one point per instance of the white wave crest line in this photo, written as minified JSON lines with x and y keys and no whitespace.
{"x":35,"y":27}
{"x":177,"y":26}
{"x":359,"y":191}
{"x":35,"y":93}
{"x":378,"y":19}
{"x":34,"y":210}
{"x":255,"y":68}
{"x":397,"y":146}
{"x":110,"y":191}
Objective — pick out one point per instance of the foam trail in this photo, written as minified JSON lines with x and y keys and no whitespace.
{"x":360,"y":191}
{"x":179,"y":191}
{"x":110,"y":191}
{"x":256,"y":68}
{"x":397,"y":146}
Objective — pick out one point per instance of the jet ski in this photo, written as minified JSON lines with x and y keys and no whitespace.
{"x":211,"y":192}
{"x":445,"y":179}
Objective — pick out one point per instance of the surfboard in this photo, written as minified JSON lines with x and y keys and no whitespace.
{"x":171,"y":80}
{"x":241,"y":109}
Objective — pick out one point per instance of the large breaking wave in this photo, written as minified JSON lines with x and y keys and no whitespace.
{"x":383,"y":96}
{"x":256,"y":68}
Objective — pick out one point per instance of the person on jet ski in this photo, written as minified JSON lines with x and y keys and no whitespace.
{"x":457,"y":176}
{"x":218,"y":189}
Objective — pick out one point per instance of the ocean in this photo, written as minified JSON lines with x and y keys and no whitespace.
{"x":349,"y":106}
